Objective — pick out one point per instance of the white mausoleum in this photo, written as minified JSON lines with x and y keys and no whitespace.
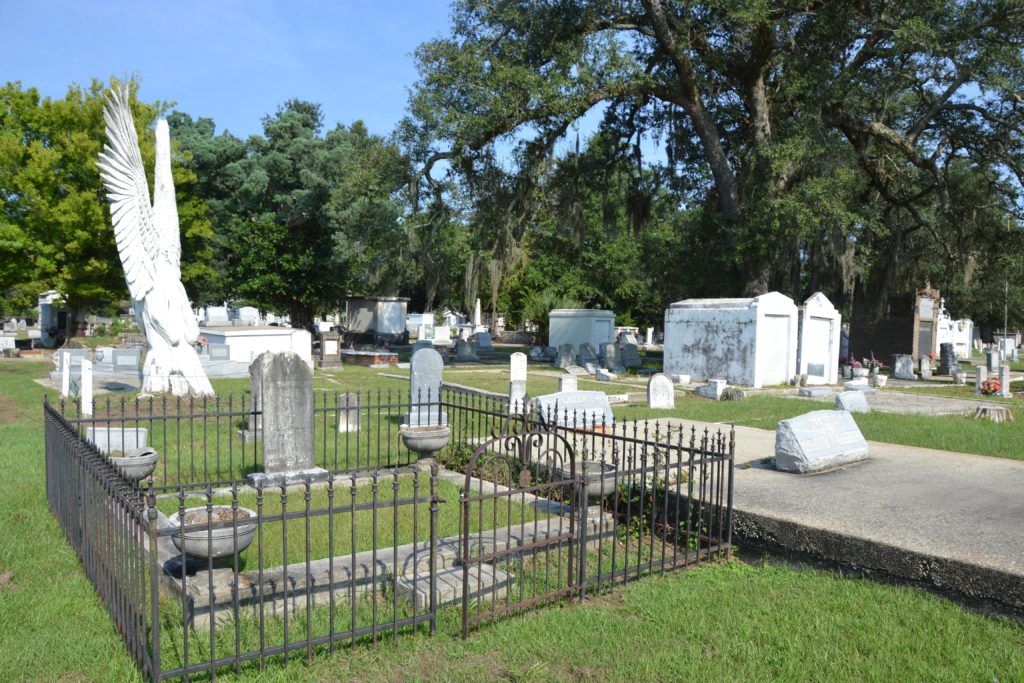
{"x":580,"y":325}
{"x":749,"y":342}
{"x":820,"y":340}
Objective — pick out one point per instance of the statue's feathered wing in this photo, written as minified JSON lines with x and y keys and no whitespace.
{"x":139,"y":241}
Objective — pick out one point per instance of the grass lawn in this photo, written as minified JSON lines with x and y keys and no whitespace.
{"x":718,"y":623}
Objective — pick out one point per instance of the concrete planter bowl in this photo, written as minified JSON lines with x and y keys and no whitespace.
{"x":215,"y":544}
{"x":136,"y":465}
{"x":601,"y":474}
{"x":425,"y":439}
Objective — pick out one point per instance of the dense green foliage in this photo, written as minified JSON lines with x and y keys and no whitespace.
{"x":55,"y":228}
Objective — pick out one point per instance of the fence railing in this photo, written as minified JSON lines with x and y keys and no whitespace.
{"x":203,"y":573}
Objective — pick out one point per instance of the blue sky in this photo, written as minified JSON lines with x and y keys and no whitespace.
{"x":232,"y":61}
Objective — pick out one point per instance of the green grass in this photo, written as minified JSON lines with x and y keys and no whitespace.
{"x":717,"y":623}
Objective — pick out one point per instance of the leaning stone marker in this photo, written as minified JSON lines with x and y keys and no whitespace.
{"x":425,"y":389}
{"x":286,"y":402}
{"x":818,"y":441}
{"x":852,"y":402}
{"x":566,"y":356}
{"x":661,"y":394}
{"x":575,"y":409}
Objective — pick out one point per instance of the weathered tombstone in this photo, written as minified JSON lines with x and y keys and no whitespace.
{"x":517,"y":367}
{"x":661,"y":394}
{"x":10,"y":326}
{"x":86,"y":387}
{"x":484,"y":342}
{"x":1004,"y":381}
{"x":859,"y":384}
{"x":286,"y":403}
{"x":219,"y":351}
{"x":575,"y":409}
{"x":605,"y":375}
{"x":992,"y":361}
{"x":348,"y":412}
{"x":566,"y":356}
{"x":649,"y":337}
{"x":217,"y":315}
{"x":536,"y":352}
{"x":903,"y":366}
{"x":127,"y":360}
{"x":464,"y":351}
{"x":421,"y":332}
{"x":817,"y":441}
{"x":630,"y":355}
{"x":613,"y":358}
{"x":6,"y":343}
{"x":628,"y":338}
{"x":947,"y":359}
{"x":330,"y":346}
{"x":421,"y":344}
{"x":852,"y":401}
{"x":959,"y":376}
{"x":713,"y":389}
{"x":588,"y":354}
{"x":568,"y":382}
{"x":815,"y":392}
{"x":925,"y":366}
{"x":680,"y":379}
{"x":980,"y":375}
{"x":425,"y":372}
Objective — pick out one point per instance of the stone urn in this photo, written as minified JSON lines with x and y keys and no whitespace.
{"x":601,"y":475}
{"x":136,"y":464}
{"x":215,"y":544}
{"x":879,"y":380}
{"x":425,"y":439}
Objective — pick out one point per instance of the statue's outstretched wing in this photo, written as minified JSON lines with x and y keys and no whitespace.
{"x":125,"y":179}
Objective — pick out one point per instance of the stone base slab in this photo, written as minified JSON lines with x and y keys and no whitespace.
{"x":273,"y":479}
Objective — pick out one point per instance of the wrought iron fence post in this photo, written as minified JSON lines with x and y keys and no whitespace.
{"x":154,"y":584}
{"x":732,"y":461}
{"x":433,"y":547}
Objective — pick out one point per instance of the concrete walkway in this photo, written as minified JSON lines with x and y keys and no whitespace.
{"x":950,"y":519}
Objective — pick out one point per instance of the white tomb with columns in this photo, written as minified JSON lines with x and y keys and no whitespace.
{"x":578,"y":326}
{"x":747,"y":342}
{"x":818,"y":352}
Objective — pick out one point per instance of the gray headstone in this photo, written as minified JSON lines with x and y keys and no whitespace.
{"x":980,"y":375}
{"x":630,"y":356}
{"x":483,"y":341}
{"x":1004,"y":381}
{"x":286,"y":401}
{"x":348,"y":413}
{"x":74,"y":356}
{"x":425,"y":377}
{"x":819,"y":440}
{"x":464,"y":351}
{"x":517,"y":367}
{"x":588,"y":354}
{"x":947,"y":359}
{"x":903,"y":366}
{"x":852,"y":401}
{"x":219,"y":352}
{"x":592,"y":368}
{"x":925,"y":366}
{"x":422,"y":344}
{"x":568,"y":382}
{"x":575,"y":409}
{"x":536,"y":352}
{"x":628,"y":338}
{"x":992,"y":361}
{"x":605,"y":375}
{"x":859,"y":384}
{"x":661,"y":393}
{"x":815,"y":392}
{"x":576,"y":370}
{"x":613,"y":357}
{"x":566,"y":356}
{"x":127,"y":359}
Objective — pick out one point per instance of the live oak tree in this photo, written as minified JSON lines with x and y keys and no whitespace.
{"x":862,"y":145}
{"x":55,"y":230}
{"x":302,"y":217}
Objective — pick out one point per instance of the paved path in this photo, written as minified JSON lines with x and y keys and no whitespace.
{"x":951,"y":519}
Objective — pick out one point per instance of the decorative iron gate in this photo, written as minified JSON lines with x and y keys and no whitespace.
{"x":520,"y":523}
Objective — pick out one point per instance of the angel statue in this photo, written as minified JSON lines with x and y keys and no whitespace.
{"x":150,"y":249}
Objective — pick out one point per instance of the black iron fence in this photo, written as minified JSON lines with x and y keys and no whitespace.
{"x":204,"y":573}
